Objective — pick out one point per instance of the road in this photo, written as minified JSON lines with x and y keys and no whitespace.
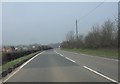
{"x":63,"y":66}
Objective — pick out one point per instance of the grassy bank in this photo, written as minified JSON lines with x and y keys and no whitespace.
{"x":12,"y":63}
{"x":0,"y":62}
{"x":109,"y":53}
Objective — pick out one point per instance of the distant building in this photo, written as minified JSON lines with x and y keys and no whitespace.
{"x":34,"y":46}
{"x":8,"y":49}
{"x":18,"y":49}
{"x":21,"y":47}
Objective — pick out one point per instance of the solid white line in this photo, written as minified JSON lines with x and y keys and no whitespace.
{"x":110,"y":59}
{"x":22,"y":66}
{"x":100,"y":57}
{"x":70,"y":59}
{"x":82,"y":54}
{"x":100,"y":74}
{"x":95,"y":56}
{"x":30,"y":60}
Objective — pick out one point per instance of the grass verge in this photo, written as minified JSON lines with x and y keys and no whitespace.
{"x":0,"y":61}
{"x":0,"y":54}
{"x":109,"y":53}
{"x":12,"y":63}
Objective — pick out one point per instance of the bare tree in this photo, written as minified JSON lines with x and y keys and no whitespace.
{"x":92,"y":40}
{"x":109,"y":33}
{"x":105,"y":36}
{"x":70,"y":36}
{"x":70,"y":39}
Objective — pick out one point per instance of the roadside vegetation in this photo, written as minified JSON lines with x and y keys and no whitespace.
{"x":12,"y":60}
{"x":16,"y":61}
{"x":0,"y":58}
{"x":102,"y":40}
{"x":0,"y":54}
{"x":97,"y":52}
{"x":9,"y":56}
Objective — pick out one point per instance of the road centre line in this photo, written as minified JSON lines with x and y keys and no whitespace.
{"x":58,"y":53}
{"x":70,"y":59}
{"x":100,"y":74}
{"x":61,"y":55}
{"x":65,"y":57}
{"x":22,"y":67}
{"x":93,"y":70}
{"x":76,"y":53}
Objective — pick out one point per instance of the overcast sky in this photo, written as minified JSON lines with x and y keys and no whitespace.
{"x":44,"y":23}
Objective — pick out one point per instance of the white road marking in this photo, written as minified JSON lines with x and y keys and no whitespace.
{"x":110,"y":59}
{"x":22,"y":66}
{"x":58,"y":53}
{"x":61,"y":55}
{"x":94,"y":56}
{"x":100,"y":74}
{"x":76,"y":53}
{"x":65,"y":57}
{"x":70,"y":59}
{"x":82,"y":54}
{"x":100,"y":57}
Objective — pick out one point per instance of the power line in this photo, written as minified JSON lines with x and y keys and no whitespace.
{"x":87,"y":14}
{"x":91,"y":10}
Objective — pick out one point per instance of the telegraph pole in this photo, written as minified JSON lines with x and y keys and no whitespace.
{"x":76,"y":31}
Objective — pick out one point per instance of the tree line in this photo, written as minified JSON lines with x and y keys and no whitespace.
{"x":100,"y":36}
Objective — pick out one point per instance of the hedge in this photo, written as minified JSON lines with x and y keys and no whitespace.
{"x":6,"y":57}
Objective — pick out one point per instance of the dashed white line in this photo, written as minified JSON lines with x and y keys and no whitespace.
{"x":58,"y":53}
{"x":76,"y":53}
{"x":90,"y":68}
{"x":65,"y":57}
{"x":21,"y":67}
{"x":100,"y":74}
{"x":82,"y":54}
{"x":61,"y":55}
{"x":70,"y":59}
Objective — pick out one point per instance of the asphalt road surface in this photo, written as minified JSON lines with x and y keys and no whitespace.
{"x":63,"y":66}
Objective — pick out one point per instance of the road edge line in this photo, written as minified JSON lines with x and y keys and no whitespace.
{"x":22,"y":66}
{"x":93,"y":56}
